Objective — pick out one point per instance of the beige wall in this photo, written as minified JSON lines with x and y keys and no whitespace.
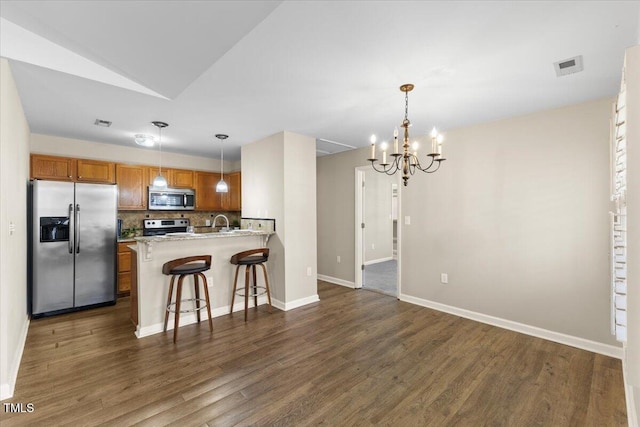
{"x":59,"y":146}
{"x":14,"y":175}
{"x":517,"y":217}
{"x":278,"y":181}
{"x":336,"y":213}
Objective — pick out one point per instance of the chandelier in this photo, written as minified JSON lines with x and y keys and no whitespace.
{"x":406,"y":161}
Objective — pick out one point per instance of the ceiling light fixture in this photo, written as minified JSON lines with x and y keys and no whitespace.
{"x":406,"y":161}
{"x":159,"y":182}
{"x":221,"y":186}
{"x":144,"y":140}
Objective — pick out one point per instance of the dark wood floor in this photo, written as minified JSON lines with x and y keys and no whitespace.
{"x":354,"y":358}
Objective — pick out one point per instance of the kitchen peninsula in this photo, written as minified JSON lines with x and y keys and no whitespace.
{"x":150,"y":287}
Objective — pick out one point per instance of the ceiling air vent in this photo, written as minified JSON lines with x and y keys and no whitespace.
{"x":104,"y":123}
{"x":568,"y":66}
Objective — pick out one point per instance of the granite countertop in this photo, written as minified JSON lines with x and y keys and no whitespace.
{"x":197,"y":236}
{"x":126,"y":239}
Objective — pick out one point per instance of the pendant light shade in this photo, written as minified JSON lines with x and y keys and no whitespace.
{"x":221,"y":186}
{"x":160,"y":182}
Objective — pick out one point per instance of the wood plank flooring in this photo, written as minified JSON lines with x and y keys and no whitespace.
{"x":354,"y":358}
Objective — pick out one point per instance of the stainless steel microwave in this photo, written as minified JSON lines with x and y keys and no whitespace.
{"x":171,"y":199}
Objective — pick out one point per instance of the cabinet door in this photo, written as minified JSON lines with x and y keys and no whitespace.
{"x":235,"y":191}
{"x":180,"y":178}
{"x":132,"y":187}
{"x":206,"y":197}
{"x":96,"y":171}
{"x":232,"y":200}
{"x":50,"y":167}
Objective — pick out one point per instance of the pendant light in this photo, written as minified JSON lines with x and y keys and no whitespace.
{"x":160,"y":181}
{"x":221,"y":186}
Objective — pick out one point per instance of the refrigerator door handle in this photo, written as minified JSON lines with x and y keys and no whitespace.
{"x":77,"y":228}
{"x":71,"y":231}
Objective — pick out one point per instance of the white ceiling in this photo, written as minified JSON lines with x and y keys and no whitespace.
{"x":327,"y":69}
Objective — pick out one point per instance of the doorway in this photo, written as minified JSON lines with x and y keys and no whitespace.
{"x":377,"y":232}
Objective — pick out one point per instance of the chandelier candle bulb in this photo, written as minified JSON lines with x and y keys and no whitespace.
{"x":434,"y":141}
{"x":439,"y":140}
{"x":384,"y":152}
{"x":373,"y":147}
{"x":395,"y":140}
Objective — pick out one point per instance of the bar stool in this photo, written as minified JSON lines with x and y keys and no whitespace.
{"x":250,"y":259}
{"x":182,"y":267}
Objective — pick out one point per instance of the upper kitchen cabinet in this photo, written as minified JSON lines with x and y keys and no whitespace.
{"x":206,"y":197}
{"x":50,"y":167}
{"x":232,"y":201}
{"x":181,"y":178}
{"x":132,"y":187}
{"x":96,"y":171}
{"x":69,"y":169}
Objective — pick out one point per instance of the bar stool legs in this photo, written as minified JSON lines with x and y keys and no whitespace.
{"x":182,"y":267}
{"x":249,"y":259}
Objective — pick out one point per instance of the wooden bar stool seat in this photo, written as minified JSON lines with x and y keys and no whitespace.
{"x":250,"y":259}
{"x":180,"y":268}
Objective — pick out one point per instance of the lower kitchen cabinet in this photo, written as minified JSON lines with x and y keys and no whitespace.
{"x":124,"y":268}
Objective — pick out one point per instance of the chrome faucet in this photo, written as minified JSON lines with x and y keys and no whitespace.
{"x":213,"y":224}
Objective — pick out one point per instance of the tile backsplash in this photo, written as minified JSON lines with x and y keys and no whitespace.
{"x":197,"y":219}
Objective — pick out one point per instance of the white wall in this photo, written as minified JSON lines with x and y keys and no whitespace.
{"x":279,"y":181}
{"x":378,"y":232}
{"x":14,"y":175}
{"x":632,"y":362}
{"x":68,"y":147}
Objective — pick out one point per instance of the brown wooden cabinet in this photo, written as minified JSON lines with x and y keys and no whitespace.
{"x":132,"y":187}
{"x":124,"y":268}
{"x":51,"y":167}
{"x":69,"y":169}
{"x":181,"y":178}
{"x":232,"y":201}
{"x":95,"y":171}
{"x":206,"y":197}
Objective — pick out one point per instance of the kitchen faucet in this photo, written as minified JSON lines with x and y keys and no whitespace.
{"x":213,"y":224}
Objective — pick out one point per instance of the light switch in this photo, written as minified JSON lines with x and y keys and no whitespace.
{"x":407,"y":220}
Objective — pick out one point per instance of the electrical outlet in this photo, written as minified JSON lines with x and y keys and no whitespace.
{"x":210,"y":281}
{"x":207,"y":222}
{"x":407,"y":220}
{"x":373,"y":246}
{"x":444,"y":278}
{"x":308,"y":271}
{"x":338,"y":259}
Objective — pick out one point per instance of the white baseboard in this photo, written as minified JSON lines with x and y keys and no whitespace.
{"x":376,"y":261}
{"x":7,"y":389}
{"x":286,"y":306}
{"x":187,"y":319}
{"x":336,"y":281}
{"x":593,"y":346}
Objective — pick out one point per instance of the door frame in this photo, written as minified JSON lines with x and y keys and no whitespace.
{"x":359,"y":231}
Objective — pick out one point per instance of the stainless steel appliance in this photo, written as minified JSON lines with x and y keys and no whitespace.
{"x":160,"y":227}
{"x":171,"y":199}
{"x":72,"y":246}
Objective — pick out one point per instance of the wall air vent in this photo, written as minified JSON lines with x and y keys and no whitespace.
{"x":568,"y":66}
{"x":104,"y":123}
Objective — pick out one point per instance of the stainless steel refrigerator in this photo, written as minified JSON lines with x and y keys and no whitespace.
{"x":73,"y":246}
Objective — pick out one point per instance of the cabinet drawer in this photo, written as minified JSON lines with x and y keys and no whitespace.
{"x":124,"y":262}
{"x":124,"y":282}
